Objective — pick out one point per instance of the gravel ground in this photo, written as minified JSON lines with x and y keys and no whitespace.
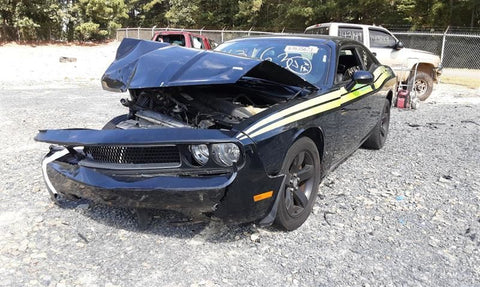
{"x":406,"y":215}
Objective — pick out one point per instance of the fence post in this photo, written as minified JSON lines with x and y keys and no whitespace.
{"x":126,"y":32}
{"x":222,"y":33}
{"x":138,"y":33}
{"x":202,"y":30}
{"x":153,"y":30}
{"x":249,"y":31}
{"x":443,"y":45}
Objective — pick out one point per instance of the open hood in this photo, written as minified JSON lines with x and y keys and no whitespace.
{"x":141,"y":64}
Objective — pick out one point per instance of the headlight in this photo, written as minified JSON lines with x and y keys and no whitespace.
{"x":200,"y":153}
{"x":225,"y":153}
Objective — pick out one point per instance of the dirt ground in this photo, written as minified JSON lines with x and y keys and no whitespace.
{"x":407,"y":215}
{"x":40,"y":65}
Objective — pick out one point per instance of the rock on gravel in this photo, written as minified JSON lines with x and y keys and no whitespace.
{"x":406,"y":215}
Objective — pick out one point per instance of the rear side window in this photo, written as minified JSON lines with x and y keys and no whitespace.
{"x":318,"y":31}
{"x":381,"y":39}
{"x":173,"y":39}
{"x":197,"y":43}
{"x":351,"y":33}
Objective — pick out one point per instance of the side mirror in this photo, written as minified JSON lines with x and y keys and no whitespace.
{"x":398,"y":45}
{"x":362,"y":77}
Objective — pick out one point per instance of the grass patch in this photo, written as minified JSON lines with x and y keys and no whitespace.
{"x":463,"y":77}
{"x":467,"y":82}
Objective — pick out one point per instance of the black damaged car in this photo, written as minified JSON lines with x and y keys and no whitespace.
{"x":244,"y":133}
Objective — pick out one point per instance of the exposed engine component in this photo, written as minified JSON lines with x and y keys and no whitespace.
{"x":194,"y":107}
{"x":148,"y":117}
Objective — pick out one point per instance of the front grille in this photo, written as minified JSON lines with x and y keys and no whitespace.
{"x":133,"y":155}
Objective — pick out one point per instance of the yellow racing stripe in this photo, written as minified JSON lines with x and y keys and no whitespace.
{"x":296,"y":108}
{"x":331,"y":101}
{"x":299,"y":116}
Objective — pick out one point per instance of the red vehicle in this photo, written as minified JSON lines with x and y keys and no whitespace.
{"x":184,"y":39}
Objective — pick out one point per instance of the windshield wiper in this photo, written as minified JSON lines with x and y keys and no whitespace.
{"x":298,"y":93}
{"x":260,"y":81}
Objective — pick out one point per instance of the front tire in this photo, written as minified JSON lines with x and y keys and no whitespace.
{"x":301,"y":167}
{"x":112,"y":124}
{"x":423,"y":85}
{"x":379,"y":134}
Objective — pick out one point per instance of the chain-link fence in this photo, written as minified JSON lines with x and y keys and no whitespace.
{"x":456,"y":48}
{"x":219,"y":36}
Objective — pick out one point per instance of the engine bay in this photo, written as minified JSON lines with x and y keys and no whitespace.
{"x":205,"y":107}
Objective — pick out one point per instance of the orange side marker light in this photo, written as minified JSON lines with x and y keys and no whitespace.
{"x":263,"y":196}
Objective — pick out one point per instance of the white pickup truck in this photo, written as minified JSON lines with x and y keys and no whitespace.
{"x":390,"y":51}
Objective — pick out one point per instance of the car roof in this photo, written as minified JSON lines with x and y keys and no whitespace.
{"x":178,"y":33}
{"x":343,"y":24}
{"x":321,"y":38}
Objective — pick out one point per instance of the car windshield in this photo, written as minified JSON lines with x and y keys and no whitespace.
{"x":307,"y":58}
{"x":172,"y":39}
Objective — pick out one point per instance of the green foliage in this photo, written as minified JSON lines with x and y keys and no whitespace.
{"x":107,"y":14}
{"x":182,"y":13}
{"x":27,"y":28}
{"x":249,"y":12}
{"x":32,"y":20}
{"x":90,"y":31}
{"x":217,"y":14}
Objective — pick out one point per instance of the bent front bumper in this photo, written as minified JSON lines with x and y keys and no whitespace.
{"x":227,"y":193}
{"x":437,"y":72}
{"x":137,"y":190}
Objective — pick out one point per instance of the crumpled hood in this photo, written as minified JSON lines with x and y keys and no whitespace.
{"x":147,"y":64}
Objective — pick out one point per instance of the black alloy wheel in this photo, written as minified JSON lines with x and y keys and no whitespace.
{"x":302,"y":177}
{"x":379,"y":134}
{"x":385,"y":123}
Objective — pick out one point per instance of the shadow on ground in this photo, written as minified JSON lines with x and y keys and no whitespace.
{"x":162,"y":222}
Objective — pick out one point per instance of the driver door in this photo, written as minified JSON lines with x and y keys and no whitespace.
{"x":354,"y":114}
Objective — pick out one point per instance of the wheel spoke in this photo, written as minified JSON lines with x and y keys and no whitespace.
{"x":301,"y":158}
{"x":306,"y":173}
{"x":297,"y":162}
{"x":300,"y":198}
{"x":289,"y":200}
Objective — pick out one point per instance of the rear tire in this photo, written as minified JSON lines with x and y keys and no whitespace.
{"x":380,"y":131}
{"x":112,"y":124}
{"x":423,"y":85}
{"x":301,"y":167}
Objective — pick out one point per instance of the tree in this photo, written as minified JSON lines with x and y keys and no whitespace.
{"x":99,"y":19}
{"x":182,"y":13}
{"x":216,"y":14}
{"x":7,"y":17}
{"x":146,"y":13}
{"x":38,"y":19}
